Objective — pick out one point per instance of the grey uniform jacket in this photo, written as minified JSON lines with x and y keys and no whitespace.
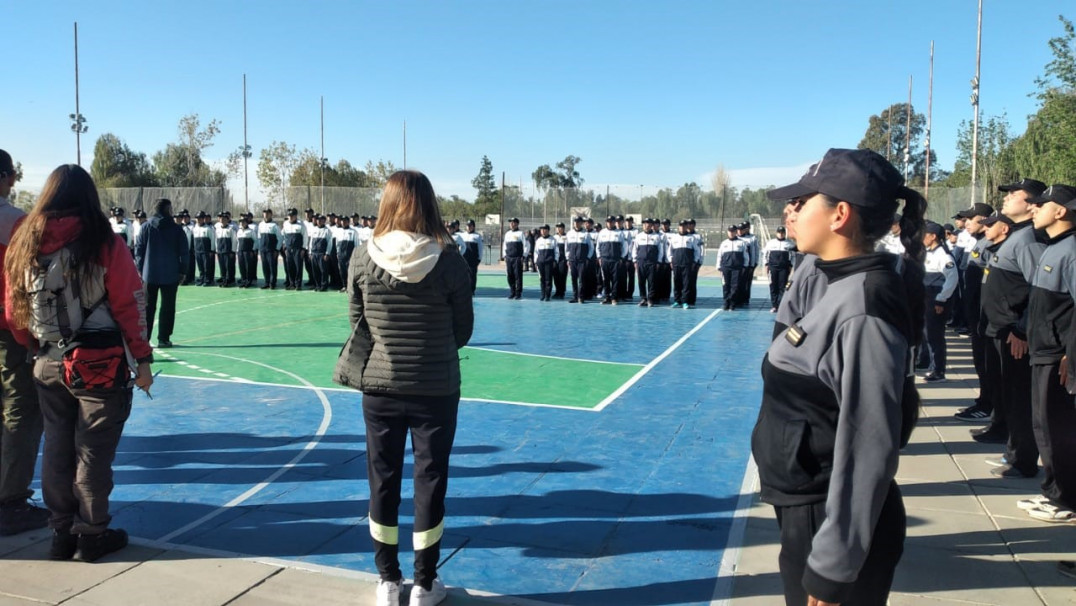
{"x":833,"y":408}
{"x":405,"y":337}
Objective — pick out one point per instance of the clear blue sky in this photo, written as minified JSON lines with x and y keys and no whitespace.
{"x":646,"y":93}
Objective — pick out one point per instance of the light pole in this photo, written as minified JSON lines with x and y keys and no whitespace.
{"x":78,"y":121}
{"x":245,"y":149}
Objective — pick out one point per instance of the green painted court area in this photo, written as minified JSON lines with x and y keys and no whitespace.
{"x":293,"y":338}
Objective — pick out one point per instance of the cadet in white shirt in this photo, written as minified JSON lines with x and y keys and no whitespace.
{"x":319,"y":243}
{"x":546,"y":256}
{"x":246,"y":243}
{"x":344,"y":237}
{"x":472,"y":252}
{"x":732,"y":258}
{"x":647,"y":252}
{"x":224,"y":238}
{"x":295,"y":242}
{"x":612,"y":251}
{"x":560,"y":269}
{"x":514,"y":248}
{"x":777,"y":257}
{"x":940,"y":281}
{"x":270,"y":243}
{"x":579,"y":250}
{"x":204,"y":244}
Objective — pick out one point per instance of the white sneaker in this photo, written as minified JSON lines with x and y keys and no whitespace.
{"x":1032,"y":503}
{"x":388,"y":593}
{"x":428,"y":597}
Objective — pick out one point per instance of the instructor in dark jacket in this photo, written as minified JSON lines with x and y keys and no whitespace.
{"x":410,"y":311}
{"x":161,"y":254}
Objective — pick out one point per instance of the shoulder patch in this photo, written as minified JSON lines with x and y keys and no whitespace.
{"x":1047,"y":268}
{"x":950,"y":265}
{"x":795,"y":335}
{"x":975,"y":254}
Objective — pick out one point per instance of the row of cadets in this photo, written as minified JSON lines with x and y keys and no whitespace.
{"x":972,"y":272}
{"x":472,"y":251}
{"x":270,"y":243}
{"x":295,"y":242}
{"x":560,"y":268}
{"x":743,"y":296}
{"x":648,"y":252}
{"x":579,"y":254}
{"x":685,"y":253}
{"x":319,"y":245}
{"x":546,"y":258}
{"x":184,"y":219}
{"x":612,"y":251}
{"x":777,"y":257}
{"x":514,"y":247}
{"x":203,"y":237}
{"x":224,"y":232}
{"x":732,"y":258}
{"x":345,"y":236}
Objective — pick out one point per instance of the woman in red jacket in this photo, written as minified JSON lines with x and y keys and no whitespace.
{"x":83,"y":368}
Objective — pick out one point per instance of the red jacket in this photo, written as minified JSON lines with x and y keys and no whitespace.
{"x":126,"y":295}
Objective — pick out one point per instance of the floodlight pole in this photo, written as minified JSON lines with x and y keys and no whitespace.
{"x":322,"y":159}
{"x":405,"y":147}
{"x":975,"y":105}
{"x":930,"y":105}
{"x":908,"y":134}
{"x":246,"y":149}
{"x":78,"y":122}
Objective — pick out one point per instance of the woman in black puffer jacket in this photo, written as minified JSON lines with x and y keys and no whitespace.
{"x":410,"y":311}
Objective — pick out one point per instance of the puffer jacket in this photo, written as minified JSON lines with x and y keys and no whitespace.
{"x":410,"y":312}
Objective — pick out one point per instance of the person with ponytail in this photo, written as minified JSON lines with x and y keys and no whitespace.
{"x":85,"y":378}
{"x":839,"y":398}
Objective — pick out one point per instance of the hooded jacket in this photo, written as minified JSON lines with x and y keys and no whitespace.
{"x":161,"y":251}
{"x":410,"y":312}
{"x":119,"y":284}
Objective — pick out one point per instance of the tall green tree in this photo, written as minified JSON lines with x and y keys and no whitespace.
{"x":380,"y":172}
{"x":887,"y":133}
{"x":181,"y":164}
{"x":117,"y":165}
{"x":275,"y":165}
{"x":994,"y":165}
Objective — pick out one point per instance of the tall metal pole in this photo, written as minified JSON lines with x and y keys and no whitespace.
{"x":975,"y":106}
{"x":889,"y":140}
{"x":405,"y":153}
{"x":930,"y":106}
{"x":908,"y":133}
{"x":246,"y":149}
{"x":77,"y":126}
{"x":322,"y":160}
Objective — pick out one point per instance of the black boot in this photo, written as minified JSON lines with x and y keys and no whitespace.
{"x":20,"y":516}
{"x":64,"y":544}
{"x":93,"y":547}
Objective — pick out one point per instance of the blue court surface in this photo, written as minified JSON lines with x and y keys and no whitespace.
{"x":631,"y":502}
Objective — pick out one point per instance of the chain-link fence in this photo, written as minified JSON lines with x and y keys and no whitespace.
{"x":194,"y":199}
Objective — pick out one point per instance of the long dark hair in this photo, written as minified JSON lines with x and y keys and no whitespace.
{"x":69,"y":191}
{"x":409,"y":204}
{"x":873,"y":222}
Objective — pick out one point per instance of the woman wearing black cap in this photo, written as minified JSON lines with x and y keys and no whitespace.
{"x":839,"y":398}
{"x":940,"y":280}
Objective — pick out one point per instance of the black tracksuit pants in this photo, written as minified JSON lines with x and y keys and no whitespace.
{"x":248,"y":267}
{"x":269,"y":263}
{"x":321,"y":276}
{"x":545,"y":275}
{"x":1014,"y":400}
{"x":730,"y":287}
{"x":560,"y":278}
{"x":227,"y":268}
{"x":293,"y":267}
{"x":628,"y":287}
{"x":1054,"y":423}
{"x":168,"y":310}
{"x":206,"y":268}
{"x":579,"y":271}
{"x":778,"y":282}
{"x":693,"y":284}
{"x":800,"y":523}
{"x":431,"y":421}
{"x":681,"y":281}
{"x":610,"y":278}
{"x":935,"y":328}
{"x":473,"y":266}
{"x":514,"y":268}
{"x":646,"y":281}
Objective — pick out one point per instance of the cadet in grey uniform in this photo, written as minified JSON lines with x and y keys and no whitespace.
{"x":975,"y":263}
{"x":841,"y":375}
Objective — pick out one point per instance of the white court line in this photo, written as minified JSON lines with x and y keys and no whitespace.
{"x":639,"y":375}
{"x":326,"y":418}
{"x":520,"y":353}
{"x":730,"y":558}
{"x":283,"y":294}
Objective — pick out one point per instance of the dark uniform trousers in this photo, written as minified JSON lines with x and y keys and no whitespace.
{"x":431,"y":421}
{"x":206,"y":267}
{"x":629,"y":283}
{"x":308,"y":263}
{"x":167,"y":294}
{"x":227,"y":267}
{"x":646,"y":281}
{"x":514,"y":268}
{"x":560,"y":277}
{"x":744,"y":285}
{"x":579,"y":270}
{"x":320,"y":278}
{"x":1015,"y":403}
{"x":610,"y":268}
{"x":935,"y":329}
{"x":248,"y":266}
{"x":20,"y":435}
{"x":293,"y":267}
{"x":800,"y":523}
{"x":993,"y":386}
{"x":730,"y":287}
{"x":343,"y":260}
{"x":681,"y":282}
{"x":778,"y":282}
{"x":693,"y":284}
{"x":82,"y":431}
{"x":269,"y":265}
{"x":974,"y":319}
{"x":546,"y":270}
{"x":191,"y":264}
{"x":1054,"y":423}
{"x":662,"y":282}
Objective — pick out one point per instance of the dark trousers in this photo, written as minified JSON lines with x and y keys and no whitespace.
{"x":579,"y":268}
{"x":20,"y":435}
{"x":321,"y":275}
{"x":431,"y":421}
{"x":1054,"y":422}
{"x":293,"y":267}
{"x":692,"y":284}
{"x":333,"y":267}
{"x":1023,"y":453}
{"x":589,"y":282}
{"x":206,"y":269}
{"x":514,"y":268}
{"x":993,"y":386}
{"x":248,"y":267}
{"x":342,"y":263}
{"x":662,"y":282}
{"x":560,"y":278}
{"x":646,"y":281}
{"x":935,"y":329}
{"x":168,"y":310}
{"x":610,"y":278}
{"x":545,"y":273}
{"x":744,"y":286}
{"x":269,"y":263}
{"x":730,"y":287}
{"x":973,"y":317}
{"x":800,"y":523}
{"x":82,"y":430}
{"x":778,"y":282}
{"x":629,"y":283}
{"x":227,"y":268}
{"x":681,"y":279}
{"x":308,"y":263}
{"x":191,"y":264}
{"x":473,"y":266}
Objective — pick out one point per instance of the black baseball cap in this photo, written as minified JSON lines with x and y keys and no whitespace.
{"x":684,"y":222}
{"x":666,"y":222}
{"x":293,"y":211}
{"x":979,"y":209}
{"x":470,"y":221}
{"x":781,"y":229}
{"x":860,"y":177}
{"x":545,"y":227}
{"x":455,"y":223}
{"x":610,"y":219}
{"x":620,"y":217}
{"x":559,"y":225}
{"x":995,"y":217}
{"x":734,"y":227}
{"x":1031,"y":186}
{"x":949,"y":227}
{"x":578,"y":219}
{"x":309,"y":211}
{"x":513,"y":220}
{"x":1065,"y":195}
{"x":934,"y":228}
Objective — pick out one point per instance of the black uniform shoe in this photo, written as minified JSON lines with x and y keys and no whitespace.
{"x":265,"y":287}
{"x":989,"y":436}
{"x":934,"y":378}
{"x":64,"y":544}
{"x":163,"y":344}
{"x":20,"y":516}
{"x":93,"y":547}
{"x":1009,"y":472}
{"x":573,"y":300}
{"x":972,"y":414}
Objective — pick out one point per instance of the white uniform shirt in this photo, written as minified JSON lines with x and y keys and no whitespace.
{"x":938,"y":263}
{"x":546,"y":243}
